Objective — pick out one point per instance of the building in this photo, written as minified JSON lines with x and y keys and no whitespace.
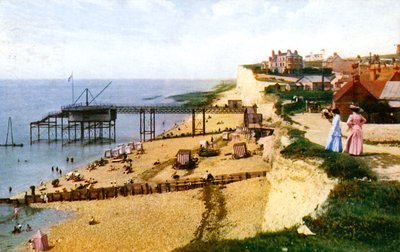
{"x":314,"y":82}
{"x":313,"y":57}
{"x":339,"y":65}
{"x":370,"y":95}
{"x":289,"y":62}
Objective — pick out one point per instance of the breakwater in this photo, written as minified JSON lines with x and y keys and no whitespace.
{"x":136,"y":189}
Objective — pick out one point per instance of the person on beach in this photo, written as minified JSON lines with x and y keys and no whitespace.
{"x":67,"y":159}
{"x":334,"y":142}
{"x":28,"y":228}
{"x":10,"y":189}
{"x":354,"y":143}
{"x":16,"y":212}
{"x":52,"y":168}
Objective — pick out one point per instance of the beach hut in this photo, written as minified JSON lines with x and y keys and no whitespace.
{"x":115,"y":152}
{"x":132,"y":145}
{"x":107,"y":153}
{"x":235,"y":137}
{"x":128,"y":149}
{"x":183,"y":157}
{"x":121,"y":149}
{"x":139,"y":146}
{"x":239,"y":150}
{"x":225,"y":136}
{"x":40,"y":241}
{"x":204,"y":144}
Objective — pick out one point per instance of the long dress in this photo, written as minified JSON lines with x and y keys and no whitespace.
{"x":334,"y":142}
{"x":354,"y":143}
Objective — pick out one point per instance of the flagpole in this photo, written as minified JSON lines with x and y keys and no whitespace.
{"x":73,"y":96}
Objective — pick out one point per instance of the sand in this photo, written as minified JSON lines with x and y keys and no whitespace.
{"x":163,"y":222}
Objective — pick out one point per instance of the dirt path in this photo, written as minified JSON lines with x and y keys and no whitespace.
{"x":384,"y":159}
{"x":215,"y":212}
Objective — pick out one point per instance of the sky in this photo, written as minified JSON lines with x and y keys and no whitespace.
{"x":182,"y":39}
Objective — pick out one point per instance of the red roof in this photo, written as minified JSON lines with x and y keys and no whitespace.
{"x":374,"y":87}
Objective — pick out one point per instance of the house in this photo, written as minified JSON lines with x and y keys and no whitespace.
{"x":234,"y":103}
{"x":294,"y":86}
{"x":371,"y":93}
{"x":314,"y":82}
{"x":313,"y":57}
{"x":289,"y":62}
{"x":251,"y":118}
{"x":391,"y":94}
{"x":339,"y":65}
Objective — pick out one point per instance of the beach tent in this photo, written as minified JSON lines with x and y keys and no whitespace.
{"x":107,"y":153}
{"x":132,"y":145}
{"x":204,"y":144}
{"x":235,"y":137}
{"x":40,"y":242}
{"x":139,"y":146}
{"x":121,"y":149}
{"x":239,"y":150}
{"x":225,"y":135}
{"x":128,"y":149}
{"x":183,"y":157}
{"x":115,"y":152}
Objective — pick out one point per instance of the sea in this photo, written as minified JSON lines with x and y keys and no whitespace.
{"x":25,"y":101}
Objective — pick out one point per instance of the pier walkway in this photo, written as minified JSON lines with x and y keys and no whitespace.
{"x":96,"y":123}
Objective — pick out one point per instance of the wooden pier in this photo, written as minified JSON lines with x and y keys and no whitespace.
{"x":96,"y":123}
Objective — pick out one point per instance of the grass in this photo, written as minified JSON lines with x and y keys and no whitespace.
{"x":361,"y":213}
{"x":337,"y":165}
{"x":201,"y":99}
{"x":359,"y":216}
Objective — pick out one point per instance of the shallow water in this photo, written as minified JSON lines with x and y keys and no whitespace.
{"x":29,"y":100}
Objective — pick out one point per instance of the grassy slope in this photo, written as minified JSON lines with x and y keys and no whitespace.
{"x":360,"y":215}
{"x":199,"y":99}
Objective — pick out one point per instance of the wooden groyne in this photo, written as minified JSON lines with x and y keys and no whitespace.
{"x":140,"y":188}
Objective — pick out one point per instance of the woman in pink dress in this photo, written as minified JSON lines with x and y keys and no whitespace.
{"x":354,"y":143}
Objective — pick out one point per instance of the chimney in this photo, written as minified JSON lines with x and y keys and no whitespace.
{"x":273,"y":53}
{"x":335,"y":54}
{"x":372,"y":74}
{"x":279,"y":52}
{"x":398,"y":49}
{"x":295,"y":52}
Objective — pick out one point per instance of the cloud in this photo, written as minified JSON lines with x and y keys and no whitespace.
{"x":182,"y":39}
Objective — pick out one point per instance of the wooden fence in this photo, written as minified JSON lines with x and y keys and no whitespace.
{"x":136,"y":189}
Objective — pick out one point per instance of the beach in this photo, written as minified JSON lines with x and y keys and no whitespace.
{"x":167,"y":221}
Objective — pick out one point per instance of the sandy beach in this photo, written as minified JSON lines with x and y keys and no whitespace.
{"x":167,"y":221}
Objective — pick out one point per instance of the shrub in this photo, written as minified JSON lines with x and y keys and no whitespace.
{"x":55,"y":182}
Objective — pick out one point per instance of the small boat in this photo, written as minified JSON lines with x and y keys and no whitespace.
{"x":9,"y":130}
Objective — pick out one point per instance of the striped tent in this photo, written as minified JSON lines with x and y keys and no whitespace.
{"x":235,"y":137}
{"x":183,"y":157}
{"x":239,"y":150}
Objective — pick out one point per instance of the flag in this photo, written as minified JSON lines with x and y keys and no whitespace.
{"x":70,"y":77}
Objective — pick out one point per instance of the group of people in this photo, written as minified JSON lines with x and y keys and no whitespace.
{"x":18,"y":228}
{"x":354,"y":142}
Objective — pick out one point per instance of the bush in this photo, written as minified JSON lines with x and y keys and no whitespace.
{"x":339,"y":165}
{"x":55,"y":182}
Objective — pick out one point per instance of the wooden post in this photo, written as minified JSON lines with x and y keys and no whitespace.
{"x":204,"y":122}
{"x":193,"y":122}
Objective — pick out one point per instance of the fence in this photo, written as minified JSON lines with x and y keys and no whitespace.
{"x":142,"y":188}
